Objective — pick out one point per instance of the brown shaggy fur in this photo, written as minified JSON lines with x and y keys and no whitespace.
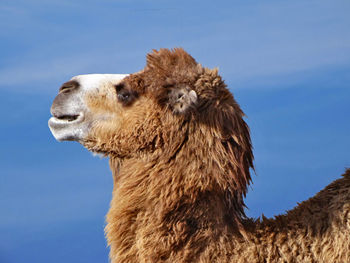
{"x":181,"y":173}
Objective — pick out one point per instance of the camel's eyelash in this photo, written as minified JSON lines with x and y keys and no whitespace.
{"x":119,"y":87}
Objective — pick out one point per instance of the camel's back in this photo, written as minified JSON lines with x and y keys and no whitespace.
{"x":317,"y":230}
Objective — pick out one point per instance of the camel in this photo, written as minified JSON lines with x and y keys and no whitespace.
{"x":181,"y":158}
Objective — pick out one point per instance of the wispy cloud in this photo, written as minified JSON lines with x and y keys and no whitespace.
{"x":38,"y":72}
{"x":246,"y":41}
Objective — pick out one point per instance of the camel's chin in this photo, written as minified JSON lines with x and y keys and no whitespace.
{"x":68,"y":128}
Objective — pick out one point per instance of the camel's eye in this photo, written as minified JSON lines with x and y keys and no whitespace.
{"x":124,"y":95}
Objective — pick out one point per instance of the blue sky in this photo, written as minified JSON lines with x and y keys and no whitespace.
{"x":287,"y":63}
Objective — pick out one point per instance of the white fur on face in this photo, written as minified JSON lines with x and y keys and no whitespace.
{"x":73,"y":104}
{"x":90,"y":82}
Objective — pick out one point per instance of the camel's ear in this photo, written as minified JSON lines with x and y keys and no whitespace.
{"x":181,"y":99}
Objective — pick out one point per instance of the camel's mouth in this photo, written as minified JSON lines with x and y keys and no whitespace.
{"x":67,"y":117}
{"x":58,"y":120}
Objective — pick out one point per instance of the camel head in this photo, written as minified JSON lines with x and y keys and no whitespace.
{"x":173,"y":107}
{"x":72,"y":116}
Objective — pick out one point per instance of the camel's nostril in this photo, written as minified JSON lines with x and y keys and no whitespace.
{"x":69,"y":86}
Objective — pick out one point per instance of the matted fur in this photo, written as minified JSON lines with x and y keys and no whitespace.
{"x":180,"y":177}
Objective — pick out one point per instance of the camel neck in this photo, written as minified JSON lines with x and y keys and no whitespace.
{"x":183,"y":205}
{"x":162,"y":206}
